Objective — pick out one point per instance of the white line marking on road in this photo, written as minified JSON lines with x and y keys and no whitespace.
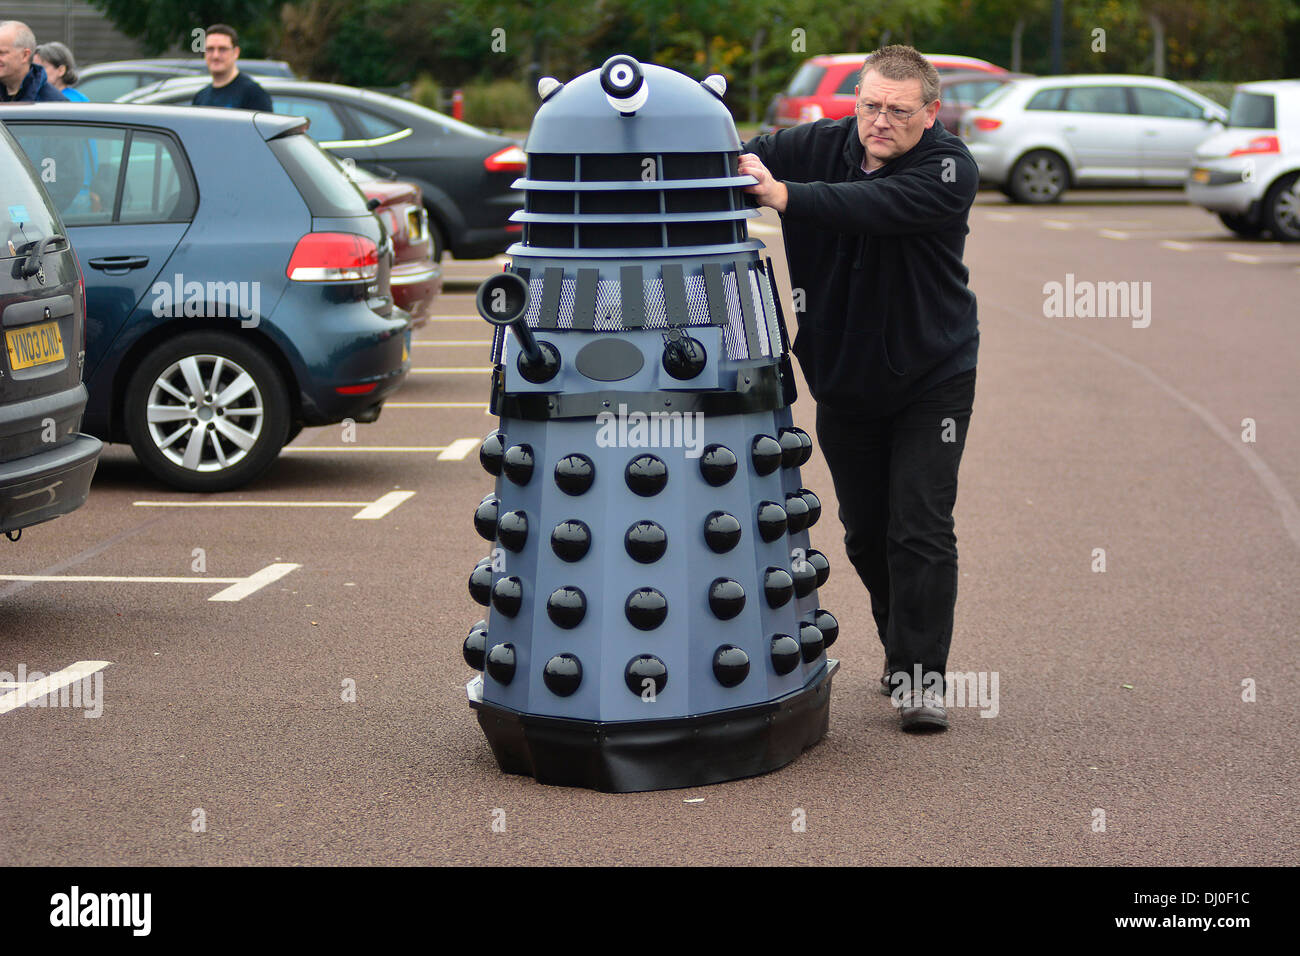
{"x":452,"y":370}
{"x":50,"y":683}
{"x":254,"y":582}
{"x":382,"y":506}
{"x":765,"y":230}
{"x":1176,"y":246}
{"x":388,"y":405}
{"x":1113,"y":234}
{"x":239,"y":588}
{"x":1057,"y":224}
{"x":369,"y":509}
{"x":1002,"y":216}
{"x":433,"y":343}
{"x":458,"y":449}
{"x":1242,"y":257}
{"x":355,"y":448}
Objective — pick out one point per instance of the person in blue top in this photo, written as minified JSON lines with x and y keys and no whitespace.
{"x":21,"y":80}
{"x":229,"y":87}
{"x":60,"y":69}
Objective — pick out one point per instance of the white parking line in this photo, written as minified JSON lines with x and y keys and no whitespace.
{"x":452,"y":370}
{"x":365,"y":448}
{"x":239,"y":588}
{"x":388,"y":405}
{"x":1176,"y":246}
{"x":369,"y":509}
{"x":50,"y":683}
{"x":1057,"y":224}
{"x":1001,"y":216}
{"x":435,"y":342}
{"x":458,"y":449}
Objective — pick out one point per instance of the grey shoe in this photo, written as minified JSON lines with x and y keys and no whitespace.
{"x":923,"y":711}
{"x":885,"y":687}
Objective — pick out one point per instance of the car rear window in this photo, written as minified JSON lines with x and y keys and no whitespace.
{"x":1253,"y":111}
{"x":26,"y":214}
{"x":805,"y":80}
{"x":1048,"y":99}
{"x":322,"y":185}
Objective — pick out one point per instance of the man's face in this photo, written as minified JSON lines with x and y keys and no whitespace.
{"x":220,"y":54}
{"x":14,"y":63}
{"x":882,"y":139}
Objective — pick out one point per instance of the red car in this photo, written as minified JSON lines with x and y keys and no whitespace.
{"x":416,"y":278}
{"x":823,"y":86}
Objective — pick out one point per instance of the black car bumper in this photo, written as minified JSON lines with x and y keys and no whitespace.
{"x":48,"y":484}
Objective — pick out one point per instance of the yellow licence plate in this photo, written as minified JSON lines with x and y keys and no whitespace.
{"x":34,"y":345}
{"x":1200,"y":175}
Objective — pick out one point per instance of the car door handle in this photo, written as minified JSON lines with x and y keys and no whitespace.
{"x":119,"y":263}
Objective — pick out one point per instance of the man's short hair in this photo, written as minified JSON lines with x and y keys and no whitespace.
{"x":58,"y":55}
{"x":24,"y":38}
{"x":900,"y":62}
{"x":222,"y":30}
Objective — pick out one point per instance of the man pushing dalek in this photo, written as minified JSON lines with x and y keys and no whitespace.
{"x":653,"y":619}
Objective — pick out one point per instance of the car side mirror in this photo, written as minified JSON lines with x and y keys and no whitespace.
{"x":373,"y":203}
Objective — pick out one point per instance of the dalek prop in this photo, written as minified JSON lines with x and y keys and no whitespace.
{"x":653,"y":619}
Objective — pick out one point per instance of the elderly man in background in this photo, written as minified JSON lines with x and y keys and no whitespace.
{"x":21,"y":80}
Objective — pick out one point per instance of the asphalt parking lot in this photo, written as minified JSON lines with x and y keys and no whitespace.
{"x":232,"y":629}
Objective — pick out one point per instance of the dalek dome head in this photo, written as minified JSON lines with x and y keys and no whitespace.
{"x":631,"y":107}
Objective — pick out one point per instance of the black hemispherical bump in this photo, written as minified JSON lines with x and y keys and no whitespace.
{"x":806,"y":442}
{"x":826,"y":623}
{"x":778,"y":587}
{"x":491,"y":453}
{"x":512,"y":530}
{"x":718,"y":465}
{"x":785,"y":653}
{"x":566,"y":607}
{"x":571,"y":540}
{"x":821,"y":565}
{"x":796,"y":512}
{"x":726,"y":598}
{"x":501,"y":663}
{"x":475,"y":646}
{"x":805,"y":578}
{"x":480,"y":583}
{"x":646,"y":542}
{"x":684,"y":359}
{"x":508,"y":595}
{"x":645,"y":667}
{"x":646,"y":475}
{"x":646,"y":609}
{"x":574,"y":474}
{"x":721,"y":532}
{"x":562,"y":674}
{"x":772,"y":521}
{"x":485,"y":517}
{"x":766,"y":454}
{"x":814,"y":506}
{"x":518,"y":464}
{"x":811,"y":642}
{"x":791,"y":447}
{"x":730,"y":665}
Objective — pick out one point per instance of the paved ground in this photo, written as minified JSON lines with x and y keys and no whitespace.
{"x":1118,"y":691}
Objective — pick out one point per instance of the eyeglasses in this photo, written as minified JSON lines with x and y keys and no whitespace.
{"x":895,"y":117}
{"x":218,"y":49}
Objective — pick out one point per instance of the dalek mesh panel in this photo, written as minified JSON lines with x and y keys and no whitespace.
{"x":650,"y":589}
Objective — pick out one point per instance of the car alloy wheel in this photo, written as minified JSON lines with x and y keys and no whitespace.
{"x":1039,"y":177}
{"x":207,"y":412}
{"x":1282,"y":209}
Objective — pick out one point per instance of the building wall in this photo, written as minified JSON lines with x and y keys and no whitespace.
{"x":85,"y":29}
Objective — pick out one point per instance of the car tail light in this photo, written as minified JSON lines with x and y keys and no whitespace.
{"x":985,"y":123}
{"x":512,"y":159}
{"x":333,"y":257}
{"x":356,"y":389}
{"x":1260,"y":144}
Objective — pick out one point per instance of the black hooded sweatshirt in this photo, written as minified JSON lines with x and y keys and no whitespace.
{"x":887,"y":310}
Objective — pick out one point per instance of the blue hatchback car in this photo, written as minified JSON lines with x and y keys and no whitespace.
{"x":237,"y":284}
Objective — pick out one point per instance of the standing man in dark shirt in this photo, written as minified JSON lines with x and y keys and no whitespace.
{"x":874,"y":214}
{"x":21,"y":80}
{"x":229,"y":87}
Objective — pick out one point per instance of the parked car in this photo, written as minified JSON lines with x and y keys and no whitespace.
{"x":237,"y":284}
{"x":963,"y":89}
{"x":416,"y":279}
{"x":105,"y":82}
{"x":822,"y":88}
{"x":465,"y":175}
{"x":1036,"y":138}
{"x":45,"y":463}
{"x":1250,"y":173}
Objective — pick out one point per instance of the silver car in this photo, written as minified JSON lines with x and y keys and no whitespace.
{"x":1250,"y":173}
{"x":1035,"y":138}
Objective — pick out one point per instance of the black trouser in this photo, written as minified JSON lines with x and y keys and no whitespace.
{"x":896,"y":481}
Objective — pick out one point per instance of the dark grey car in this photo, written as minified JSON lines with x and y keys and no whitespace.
{"x":45,"y":464}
